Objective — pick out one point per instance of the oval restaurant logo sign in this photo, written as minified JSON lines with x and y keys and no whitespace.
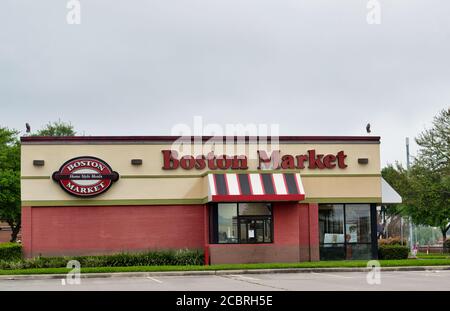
{"x":85,"y":176}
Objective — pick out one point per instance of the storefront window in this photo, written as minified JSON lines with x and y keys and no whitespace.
{"x":331,"y":223}
{"x":254,"y":209}
{"x":242,"y":223}
{"x":357,"y":223}
{"x":345,"y":231}
{"x":227,"y":223}
{"x":359,"y":251}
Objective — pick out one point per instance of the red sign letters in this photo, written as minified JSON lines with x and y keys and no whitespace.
{"x":311,"y":160}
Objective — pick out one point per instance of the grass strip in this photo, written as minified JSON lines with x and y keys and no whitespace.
{"x":319,"y":264}
{"x":433,"y":256}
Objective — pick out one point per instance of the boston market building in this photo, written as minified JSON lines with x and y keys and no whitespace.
{"x":239,"y":201}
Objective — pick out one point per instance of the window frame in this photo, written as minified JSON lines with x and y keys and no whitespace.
{"x":373,"y":230}
{"x":214,"y":228}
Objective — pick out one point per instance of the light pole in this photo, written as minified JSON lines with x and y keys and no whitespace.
{"x":411,"y":237}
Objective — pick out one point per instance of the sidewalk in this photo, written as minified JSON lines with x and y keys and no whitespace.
{"x":218,"y":272}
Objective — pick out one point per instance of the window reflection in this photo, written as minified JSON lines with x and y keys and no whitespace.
{"x":254,"y":209}
{"x":357,"y":224}
{"x":244,"y":223}
{"x":345,"y":231}
{"x":331,"y":223}
{"x":227,"y":223}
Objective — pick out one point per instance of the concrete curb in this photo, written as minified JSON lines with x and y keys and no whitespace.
{"x":216,"y":272}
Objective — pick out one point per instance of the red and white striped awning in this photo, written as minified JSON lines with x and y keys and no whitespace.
{"x":255,"y":187}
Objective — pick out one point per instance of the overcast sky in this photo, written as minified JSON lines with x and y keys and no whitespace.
{"x":313,"y":67}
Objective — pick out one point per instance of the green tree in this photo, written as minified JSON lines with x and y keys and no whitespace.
{"x":10,"y":204}
{"x":430,"y":203}
{"x":10,"y":200}
{"x":434,"y":153}
{"x":58,"y":128}
{"x":425,"y":188}
{"x":397,"y":177}
{"x":431,"y":172}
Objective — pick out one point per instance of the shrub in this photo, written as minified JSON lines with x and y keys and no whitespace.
{"x":382,"y":242}
{"x":392,"y":241}
{"x":10,"y":251}
{"x":153,"y":258}
{"x":393,"y":252}
{"x":188,"y":257}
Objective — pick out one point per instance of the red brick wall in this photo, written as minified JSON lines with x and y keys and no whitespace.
{"x":285,"y":223}
{"x":26,"y":230}
{"x":55,"y":231}
{"x":105,"y":229}
{"x":296,"y":238}
{"x":314,"y":251}
{"x":252,"y":253}
{"x":5,"y":235}
{"x":303,"y":237}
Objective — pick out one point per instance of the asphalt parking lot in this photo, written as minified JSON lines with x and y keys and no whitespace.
{"x":436,"y":280}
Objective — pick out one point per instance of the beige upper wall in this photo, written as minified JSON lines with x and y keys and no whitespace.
{"x":155,"y":186}
{"x":119,"y":157}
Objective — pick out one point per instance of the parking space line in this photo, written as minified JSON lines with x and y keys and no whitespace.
{"x":153,"y":279}
{"x":412,"y":276}
{"x":245,"y":277}
{"x":250,"y":280}
{"x":333,"y":275}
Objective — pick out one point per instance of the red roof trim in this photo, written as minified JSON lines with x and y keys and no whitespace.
{"x":191,"y":138}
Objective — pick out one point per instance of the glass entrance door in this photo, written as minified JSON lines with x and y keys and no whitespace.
{"x":255,"y":230}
